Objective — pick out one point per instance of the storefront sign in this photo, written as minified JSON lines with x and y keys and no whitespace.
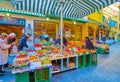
{"x":12,"y":21}
{"x":112,"y":23}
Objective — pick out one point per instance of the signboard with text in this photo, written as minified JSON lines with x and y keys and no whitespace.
{"x":12,"y":21}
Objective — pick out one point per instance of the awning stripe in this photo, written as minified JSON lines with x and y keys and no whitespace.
{"x":92,"y":5}
{"x":78,"y":8}
{"x":45,"y":6}
{"x":84,"y":8}
{"x":38,"y":5}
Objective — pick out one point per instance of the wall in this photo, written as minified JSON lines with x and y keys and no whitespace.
{"x":6,"y":4}
{"x":97,"y":16}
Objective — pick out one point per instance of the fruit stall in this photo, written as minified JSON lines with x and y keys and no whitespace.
{"x":73,"y":57}
{"x":29,"y":66}
{"x":102,"y":48}
{"x":39,"y":64}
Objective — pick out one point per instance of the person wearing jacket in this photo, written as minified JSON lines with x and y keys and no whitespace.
{"x":11,"y":39}
{"x":23,"y":42}
{"x":4,"y":51}
{"x":57,"y":41}
{"x":88,"y":44}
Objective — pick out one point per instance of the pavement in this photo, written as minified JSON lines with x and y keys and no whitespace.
{"x":107,"y":70}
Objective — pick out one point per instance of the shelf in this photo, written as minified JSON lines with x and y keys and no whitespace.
{"x":56,"y":71}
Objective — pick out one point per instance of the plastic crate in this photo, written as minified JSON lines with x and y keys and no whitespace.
{"x":22,"y":77}
{"x":88,"y":60}
{"x":102,"y":51}
{"x":42,"y":75}
{"x":81,"y":61}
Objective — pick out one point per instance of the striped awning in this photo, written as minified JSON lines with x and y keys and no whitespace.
{"x":71,"y":9}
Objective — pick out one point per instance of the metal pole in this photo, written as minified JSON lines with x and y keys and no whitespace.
{"x":61,"y":29}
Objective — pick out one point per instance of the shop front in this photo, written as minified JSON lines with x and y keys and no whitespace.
{"x":10,"y":24}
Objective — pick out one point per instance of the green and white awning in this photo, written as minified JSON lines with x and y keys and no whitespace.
{"x":72,"y":9}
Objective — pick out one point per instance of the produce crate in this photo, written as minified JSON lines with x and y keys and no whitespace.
{"x":22,"y":77}
{"x":102,"y":51}
{"x":42,"y":75}
{"x":88,"y":60}
{"x":81,"y":61}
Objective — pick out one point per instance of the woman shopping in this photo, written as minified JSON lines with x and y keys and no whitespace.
{"x":4,"y":51}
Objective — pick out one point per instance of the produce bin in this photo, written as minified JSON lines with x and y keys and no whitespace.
{"x":102,"y":51}
{"x":42,"y":75}
{"x":22,"y":77}
{"x":81,"y":61}
{"x":72,"y":62}
{"x":88,"y":59}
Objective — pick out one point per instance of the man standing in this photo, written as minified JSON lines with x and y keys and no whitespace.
{"x":23,"y":42}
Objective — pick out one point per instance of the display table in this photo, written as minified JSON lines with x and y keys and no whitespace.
{"x":38,"y":65}
{"x":102,"y":49}
{"x":31,"y":68}
{"x":77,"y":61}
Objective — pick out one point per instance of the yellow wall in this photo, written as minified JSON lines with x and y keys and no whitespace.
{"x":96,"y":16}
{"x":6,"y":4}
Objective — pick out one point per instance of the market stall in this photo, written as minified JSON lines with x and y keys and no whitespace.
{"x":102,"y":48}
{"x":29,"y":66}
{"x":73,"y":56}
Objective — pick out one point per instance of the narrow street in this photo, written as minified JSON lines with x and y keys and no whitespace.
{"x":107,"y":70}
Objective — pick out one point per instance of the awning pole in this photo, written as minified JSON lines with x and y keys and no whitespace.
{"x":61,"y":29}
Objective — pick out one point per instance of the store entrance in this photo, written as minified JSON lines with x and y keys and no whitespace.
{"x":12,"y":28}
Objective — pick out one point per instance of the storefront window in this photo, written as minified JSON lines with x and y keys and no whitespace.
{"x":90,"y":32}
{"x":45,"y":30}
{"x":12,"y":28}
{"x":73,"y":32}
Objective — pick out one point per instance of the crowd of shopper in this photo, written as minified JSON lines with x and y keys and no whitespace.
{"x":8,"y":46}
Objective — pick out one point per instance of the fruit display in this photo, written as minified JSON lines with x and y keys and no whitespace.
{"x":21,"y":60}
{"x":33,"y":58}
{"x":45,"y":60}
{"x":37,"y":45}
{"x":71,"y":64}
{"x":103,"y":46}
{"x":39,"y":52}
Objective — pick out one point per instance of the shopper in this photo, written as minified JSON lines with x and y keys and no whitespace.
{"x":57,"y":41}
{"x":23,"y":42}
{"x":11,"y":39}
{"x":88,"y":44}
{"x":104,"y":39}
{"x":4,"y":51}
